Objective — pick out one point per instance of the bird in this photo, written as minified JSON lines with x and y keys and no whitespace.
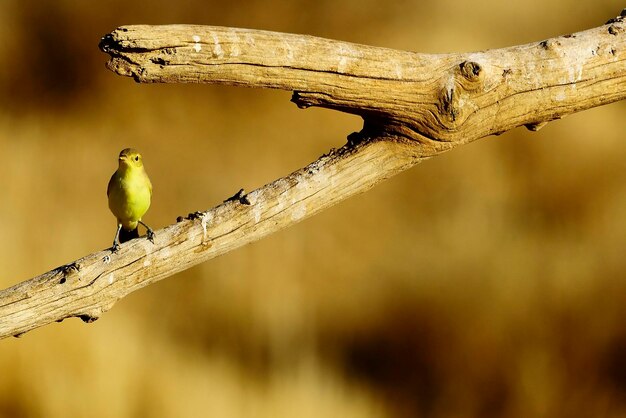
{"x":129,"y":193}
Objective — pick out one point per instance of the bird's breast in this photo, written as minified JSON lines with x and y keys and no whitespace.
{"x":129,"y":197}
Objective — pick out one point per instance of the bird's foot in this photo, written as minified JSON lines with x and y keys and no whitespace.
{"x":115,"y":248}
{"x":150,"y":235}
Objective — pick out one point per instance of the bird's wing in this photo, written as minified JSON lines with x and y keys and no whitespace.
{"x":110,"y":185}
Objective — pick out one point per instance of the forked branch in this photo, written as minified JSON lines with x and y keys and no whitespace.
{"x":414,"y":107}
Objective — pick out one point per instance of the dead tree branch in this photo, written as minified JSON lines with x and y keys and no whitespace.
{"x":414,"y":107}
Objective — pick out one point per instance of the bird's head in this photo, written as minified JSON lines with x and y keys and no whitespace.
{"x":130,"y":158}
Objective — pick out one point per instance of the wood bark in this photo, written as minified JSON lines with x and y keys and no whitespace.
{"x":414,"y":107}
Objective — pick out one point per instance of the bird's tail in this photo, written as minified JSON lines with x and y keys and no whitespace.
{"x":128,"y":235}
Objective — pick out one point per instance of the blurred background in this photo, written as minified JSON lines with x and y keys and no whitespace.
{"x":487,"y":282}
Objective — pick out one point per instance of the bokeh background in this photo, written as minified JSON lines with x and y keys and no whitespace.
{"x":487,"y":282}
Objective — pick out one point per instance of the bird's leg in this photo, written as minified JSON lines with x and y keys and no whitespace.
{"x":149,"y":232}
{"x":116,"y":241}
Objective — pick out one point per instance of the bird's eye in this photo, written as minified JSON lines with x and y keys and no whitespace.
{"x":136,"y":158}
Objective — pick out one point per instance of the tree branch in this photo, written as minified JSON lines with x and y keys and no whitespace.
{"x":449,"y":97}
{"x":414,"y":106}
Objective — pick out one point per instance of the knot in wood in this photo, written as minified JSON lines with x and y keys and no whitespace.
{"x":455,"y":97}
{"x":470,"y":76}
{"x":615,"y":29}
{"x":472,"y":71}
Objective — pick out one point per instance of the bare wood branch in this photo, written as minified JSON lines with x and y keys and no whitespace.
{"x":91,"y":285}
{"x":449,"y":97}
{"x":415,"y":106}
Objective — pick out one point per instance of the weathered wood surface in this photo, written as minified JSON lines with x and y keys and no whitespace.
{"x":448,"y":97}
{"x":415,"y":106}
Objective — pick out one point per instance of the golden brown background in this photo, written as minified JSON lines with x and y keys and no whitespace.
{"x":487,"y":282}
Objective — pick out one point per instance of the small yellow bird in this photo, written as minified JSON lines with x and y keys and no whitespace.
{"x":129,"y":193}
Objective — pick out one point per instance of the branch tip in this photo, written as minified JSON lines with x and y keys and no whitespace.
{"x":107,"y":44}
